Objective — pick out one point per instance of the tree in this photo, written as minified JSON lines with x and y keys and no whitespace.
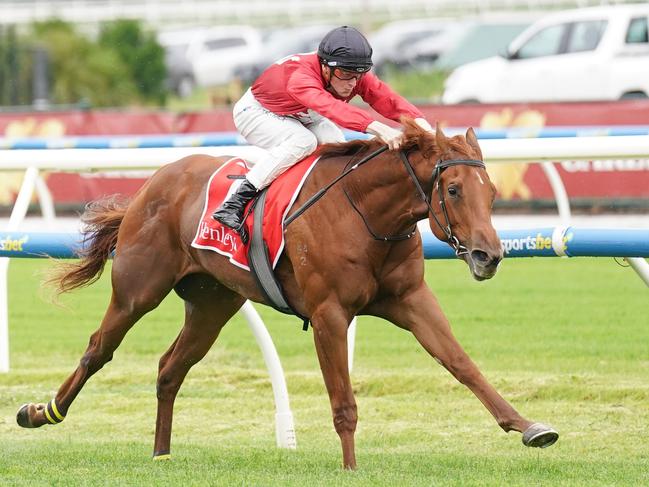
{"x":141,"y":54}
{"x":83,"y":70}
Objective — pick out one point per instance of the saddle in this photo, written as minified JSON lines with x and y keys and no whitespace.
{"x":264,"y":220}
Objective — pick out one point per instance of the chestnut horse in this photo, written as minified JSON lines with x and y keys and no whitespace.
{"x":349,"y":253}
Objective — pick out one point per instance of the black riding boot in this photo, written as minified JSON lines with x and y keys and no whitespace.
{"x":230,"y":213}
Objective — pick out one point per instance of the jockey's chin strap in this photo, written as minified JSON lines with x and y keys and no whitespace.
{"x":436,"y":178}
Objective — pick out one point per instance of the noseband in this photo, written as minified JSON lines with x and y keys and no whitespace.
{"x":436,"y":177}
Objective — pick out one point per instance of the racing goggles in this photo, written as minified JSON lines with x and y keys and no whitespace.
{"x":346,"y":75}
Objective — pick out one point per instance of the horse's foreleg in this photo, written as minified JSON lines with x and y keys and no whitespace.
{"x":420,"y":313}
{"x":205,"y":315}
{"x":330,"y":336}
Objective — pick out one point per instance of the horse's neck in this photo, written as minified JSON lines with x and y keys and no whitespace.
{"x":385,"y":192}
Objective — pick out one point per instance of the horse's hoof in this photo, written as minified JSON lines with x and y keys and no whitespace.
{"x":161,"y":456}
{"x":540,"y":435}
{"x":22,"y":416}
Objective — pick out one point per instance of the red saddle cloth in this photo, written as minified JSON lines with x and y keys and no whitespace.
{"x":211,"y":235}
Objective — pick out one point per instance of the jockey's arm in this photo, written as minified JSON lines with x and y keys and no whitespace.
{"x":380,"y":96}
{"x":423,"y":123}
{"x":390,"y":136}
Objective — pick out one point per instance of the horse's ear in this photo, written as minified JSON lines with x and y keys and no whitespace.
{"x":440,"y":138}
{"x":472,"y":140}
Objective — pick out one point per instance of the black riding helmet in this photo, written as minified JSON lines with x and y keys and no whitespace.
{"x":346,"y":48}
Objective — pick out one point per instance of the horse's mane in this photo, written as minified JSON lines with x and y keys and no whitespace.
{"x":415,"y":138}
{"x":353,"y":147}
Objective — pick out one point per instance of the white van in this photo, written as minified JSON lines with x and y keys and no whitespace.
{"x":599,"y":53}
{"x":208,"y":56}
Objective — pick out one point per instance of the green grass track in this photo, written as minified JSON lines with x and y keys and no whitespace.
{"x":566,"y":341}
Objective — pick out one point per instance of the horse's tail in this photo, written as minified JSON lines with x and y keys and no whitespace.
{"x":101,"y":221}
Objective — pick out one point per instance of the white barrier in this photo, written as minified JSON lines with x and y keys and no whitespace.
{"x":102,"y":159}
{"x":494,"y":150}
{"x":284,"y":429}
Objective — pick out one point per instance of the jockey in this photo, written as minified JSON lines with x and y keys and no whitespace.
{"x":298,"y":103}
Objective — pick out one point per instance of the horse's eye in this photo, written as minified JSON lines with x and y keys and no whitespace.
{"x":452,"y":191}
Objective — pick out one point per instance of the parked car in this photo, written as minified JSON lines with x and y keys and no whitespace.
{"x":207,"y":57}
{"x":280,"y":43}
{"x":599,"y":53}
{"x":391,"y":42}
{"x":424,"y":53}
{"x":482,"y":38}
{"x":180,"y":75}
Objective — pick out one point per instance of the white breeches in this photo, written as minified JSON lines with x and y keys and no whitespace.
{"x":288,"y":139}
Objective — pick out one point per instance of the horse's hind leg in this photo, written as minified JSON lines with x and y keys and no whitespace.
{"x":208,"y":306}
{"x":420,"y":313}
{"x":140,"y":283}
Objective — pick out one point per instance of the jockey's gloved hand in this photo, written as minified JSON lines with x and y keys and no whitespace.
{"x":423,"y":123}
{"x":392,"y":137}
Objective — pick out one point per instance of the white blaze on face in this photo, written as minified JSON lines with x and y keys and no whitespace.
{"x":479,"y":178}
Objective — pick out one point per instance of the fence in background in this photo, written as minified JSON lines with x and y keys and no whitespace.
{"x":261,"y":12}
{"x":233,"y":138}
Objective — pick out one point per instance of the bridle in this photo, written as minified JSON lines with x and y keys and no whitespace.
{"x":441,"y":164}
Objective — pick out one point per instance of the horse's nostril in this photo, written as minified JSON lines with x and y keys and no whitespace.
{"x":483,"y":258}
{"x":495,"y":260}
{"x":480,"y":256}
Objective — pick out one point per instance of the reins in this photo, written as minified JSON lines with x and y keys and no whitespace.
{"x":308,"y":203}
{"x":439,"y":167}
